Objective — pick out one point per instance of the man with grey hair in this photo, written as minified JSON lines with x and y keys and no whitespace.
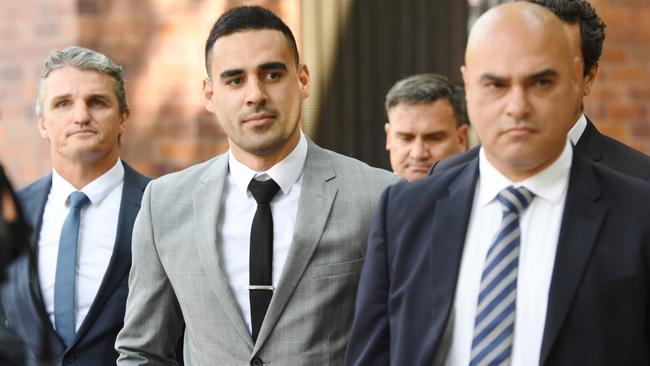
{"x":427,"y":121}
{"x":68,"y":304}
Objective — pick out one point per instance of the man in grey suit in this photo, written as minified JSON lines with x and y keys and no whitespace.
{"x":192,"y":262}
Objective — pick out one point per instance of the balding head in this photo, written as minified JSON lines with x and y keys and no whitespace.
{"x":522,"y":85}
{"x":519,"y":23}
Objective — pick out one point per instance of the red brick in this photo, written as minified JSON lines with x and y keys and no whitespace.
{"x":615,"y":54}
{"x":641,"y":94}
{"x":626,"y":112}
{"x":628,"y":73}
{"x":616,"y":131}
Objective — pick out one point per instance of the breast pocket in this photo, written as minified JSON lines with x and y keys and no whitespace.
{"x":337,"y":269}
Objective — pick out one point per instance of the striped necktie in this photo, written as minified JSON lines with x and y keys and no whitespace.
{"x":494,"y":324}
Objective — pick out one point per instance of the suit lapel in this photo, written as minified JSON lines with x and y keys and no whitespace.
{"x":32,"y":202}
{"x":581,"y":221}
{"x":316,"y":198}
{"x":120,"y":262}
{"x":206,"y":202}
{"x":451,"y":217}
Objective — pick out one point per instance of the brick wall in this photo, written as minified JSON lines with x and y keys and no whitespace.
{"x":29,"y":29}
{"x":620,"y":100}
{"x":159,"y":43}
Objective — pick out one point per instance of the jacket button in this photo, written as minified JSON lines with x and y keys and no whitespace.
{"x":256,"y":361}
{"x":69,"y":358}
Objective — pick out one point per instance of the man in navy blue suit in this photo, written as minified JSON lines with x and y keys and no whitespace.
{"x":586,"y":32}
{"x":527,"y":254}
{"x":66,"y":302}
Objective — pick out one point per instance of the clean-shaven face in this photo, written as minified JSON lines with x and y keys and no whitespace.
{"x":81,"y":117}
{"x":418,"y":135}
{"x":256,"y":92}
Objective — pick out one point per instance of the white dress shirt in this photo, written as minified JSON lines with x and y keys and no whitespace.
{"x":238,"y":208}
{"x":97,"y":233}
{"x":578,"y":128}
{"x":540,"y":228}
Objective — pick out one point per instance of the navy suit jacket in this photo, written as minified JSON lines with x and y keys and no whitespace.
{"x":592,"y":144}
{"x":598,"y":300}
{"x":21,"y":295}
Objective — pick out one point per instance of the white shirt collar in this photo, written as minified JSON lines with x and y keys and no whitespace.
{"x":549,"y":184}
{"x":285,"y":173}
{"x":96,"y":190}
{"x":578,"y":128}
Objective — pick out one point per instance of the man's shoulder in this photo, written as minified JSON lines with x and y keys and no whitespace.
{"x":33,"y":190}
{"x":135,"y":177}
{"x":188,"y":177}
{"x":440,"y":185}
{"x":616,"y":187}
{"x":349,"y":168}
{"x":613,"y":153}
{"x":454,"y":161}
{"x":625,"y":159}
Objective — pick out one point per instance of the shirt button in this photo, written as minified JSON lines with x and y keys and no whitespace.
{"x":69,"y":358}
{"x":256,"y":361}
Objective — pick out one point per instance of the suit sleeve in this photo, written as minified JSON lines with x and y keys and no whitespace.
{"x":369,"y":342}
{"x":153,"y":322}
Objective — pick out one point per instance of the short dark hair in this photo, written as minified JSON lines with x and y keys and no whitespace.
{"x":244,"y":18}
{"x":592,"y":27}
{"x":427,"y":88}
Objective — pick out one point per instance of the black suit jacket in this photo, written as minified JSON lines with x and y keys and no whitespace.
{"x":21,"y":295}
{"x":598,"y":300}
{"x":592,"y":144}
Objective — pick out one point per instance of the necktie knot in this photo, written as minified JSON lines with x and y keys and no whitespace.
{"x":515,"y":200}
{"x":78,"y":199}
{"x":263,"y":191}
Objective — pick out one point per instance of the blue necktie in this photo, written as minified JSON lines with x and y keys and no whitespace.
{"x":66,"y":264}
{"x":494,"y":324}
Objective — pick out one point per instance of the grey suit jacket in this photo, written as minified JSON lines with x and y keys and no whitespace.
{"x":178,"y":276}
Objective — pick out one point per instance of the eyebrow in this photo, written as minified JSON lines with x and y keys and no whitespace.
{"x":543,"y":74}
{"x":264,"y":67}
{"x":490,"y":76}
{"x":90,"y":96}
{"x":230,"y":73}
{"x":273,"y":66}
{"x":538,"y":75}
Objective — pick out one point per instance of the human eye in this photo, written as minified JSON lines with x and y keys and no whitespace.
{"x":434,"y":137}
{"x":234,"y":82}
{"x":493,"y":85}
{"x":61,"y":103}
{"x":273,"y":75}
{"x":543,"y":82}
{"x":97,"y":103}
{"x":406,"y":137}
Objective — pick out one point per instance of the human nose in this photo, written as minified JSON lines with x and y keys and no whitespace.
{"x":518,"y":105}
{"x":419,"y":150}
{"x":256,"y":93}
{"x":81,"y":114}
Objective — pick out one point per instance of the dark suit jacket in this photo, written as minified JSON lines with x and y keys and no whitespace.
{"x":592,"y":144}
{"x":598,"y":300}
{"x":21,"y":295}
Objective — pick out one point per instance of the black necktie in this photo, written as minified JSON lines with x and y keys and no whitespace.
{"x":261,"y":252}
